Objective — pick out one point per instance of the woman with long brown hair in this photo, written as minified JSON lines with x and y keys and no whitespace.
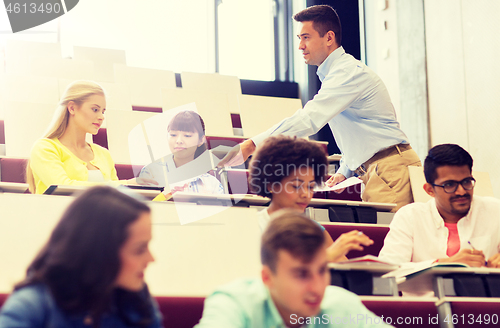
{"x":91,"y":271}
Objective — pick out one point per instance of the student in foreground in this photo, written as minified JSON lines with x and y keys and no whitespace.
{"x":287,"y":170}
{"x":63,"y":156}
{"x":91,"y":271}
{"x":294,"y":289}
{"x":454,"y":226}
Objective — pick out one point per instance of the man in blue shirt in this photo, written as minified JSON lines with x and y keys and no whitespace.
{"x":294,"y":290}
{"x":356,"y":105}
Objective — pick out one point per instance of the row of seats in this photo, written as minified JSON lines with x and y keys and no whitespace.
{"x":185,"y":312}
{"x":36,"y":77}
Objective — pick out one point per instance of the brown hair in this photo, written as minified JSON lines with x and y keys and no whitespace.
{"x":324,"y":19}
{"x":279,"y":156}
{"x":81,"y":260}
{"x":292,"y":232}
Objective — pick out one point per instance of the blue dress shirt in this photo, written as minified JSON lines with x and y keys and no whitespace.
{"x":354,"y":101}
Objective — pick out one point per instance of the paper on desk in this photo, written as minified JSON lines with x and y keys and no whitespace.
{"x":344,"y":184}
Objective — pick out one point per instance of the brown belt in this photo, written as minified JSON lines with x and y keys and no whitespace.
{"x":391,"y":151}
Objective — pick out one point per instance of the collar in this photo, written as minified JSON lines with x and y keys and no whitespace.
{"x":275,"y":316}
{"x":327,"y":63}
{"x":438,"y":220}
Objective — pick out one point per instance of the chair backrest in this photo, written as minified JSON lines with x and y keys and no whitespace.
{"x":117,"y":94}
{"x":103,"y":59}
{"x":403,"y":311}
{"x":235,"y":181}
{"x":259,"y":113}
{"x":212,"y":107}
{"x":33,"y":89}
{"x":2,"y":132}
{"x":3,"y":298}
{"x":72,"y":69}
{"x":417,"y":180}
{"x":120,"y":142}
{"x":18,"y":54}
{"x":13,"y":169}
{"x":180,"y":312}
{"x":24,"y":124}
{"x":127,"y":171}
{"x":145,"y":84}
{"x":376,"y":232}
{"x":214,"y":82}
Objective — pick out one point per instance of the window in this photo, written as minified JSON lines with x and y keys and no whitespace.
{"x":246,"y":39}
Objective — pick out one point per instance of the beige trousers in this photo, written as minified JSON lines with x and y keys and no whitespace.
{"x":388,"y":180}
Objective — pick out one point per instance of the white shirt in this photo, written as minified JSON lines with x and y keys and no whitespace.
{"x":354,"y":101}
{"x":417,"y":231}
{"x":264,"y":218}
{"x":192,"y":177}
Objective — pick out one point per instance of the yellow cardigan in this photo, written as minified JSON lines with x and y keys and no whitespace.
{"x":54,"y":164}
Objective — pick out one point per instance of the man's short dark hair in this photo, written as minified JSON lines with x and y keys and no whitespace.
{"x":279,"y":156}
{"x":324,"y":19}
{"x":293,"y":232}
{"x":445,"y":155}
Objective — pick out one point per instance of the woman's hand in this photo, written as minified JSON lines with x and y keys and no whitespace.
{"x":352,"y":240}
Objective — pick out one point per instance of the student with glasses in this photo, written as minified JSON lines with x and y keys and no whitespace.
{"x":453,"y":226}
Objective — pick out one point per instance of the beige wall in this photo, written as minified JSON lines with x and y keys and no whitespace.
{"x":464,"y":78}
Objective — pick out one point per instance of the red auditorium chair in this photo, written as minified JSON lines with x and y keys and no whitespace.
{"x":375,"y":232}
{"x":13,"y":169}
{"x":180,"y":312}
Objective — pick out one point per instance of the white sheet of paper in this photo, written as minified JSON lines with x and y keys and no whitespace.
{"x":344,"y":184}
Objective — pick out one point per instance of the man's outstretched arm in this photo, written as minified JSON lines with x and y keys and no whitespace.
{"x":239,"y":154}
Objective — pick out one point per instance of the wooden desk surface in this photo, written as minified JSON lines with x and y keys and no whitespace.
{"x":258,"y":200}
{"x":422,"y":282}
{"x":191,"y":259}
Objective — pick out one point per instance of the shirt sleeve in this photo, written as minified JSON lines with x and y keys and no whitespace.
{"x":111,"y":163}
{"x":343,"y":169}
{"x":146,"y":173}
{"x":398,"y":244}
{"x":22,"y":310}
{"x":221,"y":311}
{"x":337,"y":92}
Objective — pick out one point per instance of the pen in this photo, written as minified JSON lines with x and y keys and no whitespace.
{"x":473,"y":248}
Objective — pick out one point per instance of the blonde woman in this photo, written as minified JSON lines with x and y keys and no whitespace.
{"x":63,"y":157}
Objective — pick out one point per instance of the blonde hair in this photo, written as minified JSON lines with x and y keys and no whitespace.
{"x":77,"y":92}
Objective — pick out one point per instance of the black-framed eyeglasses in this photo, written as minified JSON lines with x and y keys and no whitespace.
{"x":451,"y":186}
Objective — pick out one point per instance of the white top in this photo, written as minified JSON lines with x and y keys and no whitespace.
{"x":264,"y":218}
{"x":417,"y":231}
{"x":191,"y":177}
{"x":95,"y":176}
